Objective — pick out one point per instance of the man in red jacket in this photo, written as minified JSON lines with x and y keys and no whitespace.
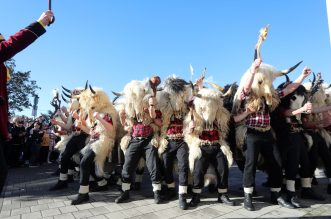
{"x":9,"y":48}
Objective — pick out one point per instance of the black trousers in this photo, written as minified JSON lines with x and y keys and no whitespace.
{"x":264,"y":143}
{"x":136,"y":149}
{"x":75,"y":144}
{"x":34,"y":153}
{"x":72,"y":165}
{"x":176,"y":149}
{"x":211,"y":154}
{"x":296,"y":154}
{"x":15,"y":154}
{"x":26,"y":151}
{"x":43,"y":154}
{"x":87,"y":168}
{"x":320,"y":149}
{"x":3,"y":167}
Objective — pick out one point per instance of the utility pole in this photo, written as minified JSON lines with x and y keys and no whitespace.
{"x":35,"y":106}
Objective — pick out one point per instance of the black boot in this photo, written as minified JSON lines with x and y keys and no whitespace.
{"x":195,"y":200}
{"x":248,"y":205}
{"x":81,"y":198}
{"x":329,"y":189}
{"x":171,"y":193}
{"x":123,"y":197}
{"x":70,"y":178}
{"x":293,"y":199}
{"x":276,"y":198}
{"x":157,"y":197}
{"x":308,"y":193}
{"x":182,"y":201}
{"x":59,"y":185}
{"x":224,"y":198}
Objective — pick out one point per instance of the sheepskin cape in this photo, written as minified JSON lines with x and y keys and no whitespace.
{"x":208,"y":109}
{"x":103,"y":146}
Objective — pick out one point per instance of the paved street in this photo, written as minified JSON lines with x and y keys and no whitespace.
{"x":26,"y":196}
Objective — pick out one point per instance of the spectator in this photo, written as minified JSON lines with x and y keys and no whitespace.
{"x":53,"y":153}
{"x":34,"y":140}
{"x":17,"y":142}
{"x":44,"y":146}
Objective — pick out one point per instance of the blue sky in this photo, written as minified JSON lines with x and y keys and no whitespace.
{"x":112,"y":42}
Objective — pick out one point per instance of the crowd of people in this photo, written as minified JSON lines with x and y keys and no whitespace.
{"x":201,"y":130}
{"x":30,"y":143}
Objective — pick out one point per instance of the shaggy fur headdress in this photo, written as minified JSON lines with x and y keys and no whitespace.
{"x":135,"y":98}
{"x":208,"y":111}
{"x":262,"y":90}
{"x":172,"y":101}
{"x":96,"y":100}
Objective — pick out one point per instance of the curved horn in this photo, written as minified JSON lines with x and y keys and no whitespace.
{"x":229,"y":91}
{"x":284,"y":72}
{"x":64,"y":99}
{"x":215,"y":86}
{"x":191,"y":84}
{"x":115,"y":99}
{"x":67,"y":95}
{"x":314,"y":79}
{"x":91,"y":89}
{"x":86,"y":84}
{"x":117,"y":94}
{"x":287,"y":79}
{"x":69,"y":91}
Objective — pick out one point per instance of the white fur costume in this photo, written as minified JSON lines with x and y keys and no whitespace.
{"x":208,"y":110}
{"x":99,"y":102}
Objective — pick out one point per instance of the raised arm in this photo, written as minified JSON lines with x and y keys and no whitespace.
{"x":23,"y":38}
{"x":250,"y":76}
{"x":307,"y":108}
{"x":295,"y":84}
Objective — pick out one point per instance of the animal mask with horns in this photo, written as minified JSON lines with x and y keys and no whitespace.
{"x":264,"y":76}
{"x":178,"y":93}
{"x":136,"y":95}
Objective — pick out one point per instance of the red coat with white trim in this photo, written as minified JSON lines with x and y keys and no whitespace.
{"x":9,"y":48}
